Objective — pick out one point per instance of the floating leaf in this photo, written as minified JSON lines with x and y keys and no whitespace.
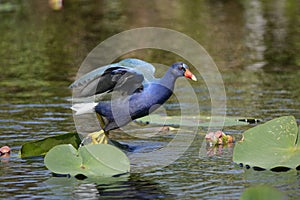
{"x":63,"y":159}
{"x":193,"y":121}
{"x":272,"y":145}
{"x":41,"y":147}
{"x":90,"y":160}
{"x":262,"y":193}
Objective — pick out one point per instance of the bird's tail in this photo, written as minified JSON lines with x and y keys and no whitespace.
{"x":84,"y":108}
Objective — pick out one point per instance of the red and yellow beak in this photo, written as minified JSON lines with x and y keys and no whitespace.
{"x":188,"y":74}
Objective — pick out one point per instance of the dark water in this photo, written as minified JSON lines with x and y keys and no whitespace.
{"x":255,"y":45}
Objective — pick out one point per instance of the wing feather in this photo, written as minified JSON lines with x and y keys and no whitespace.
{"x":126,"y":76}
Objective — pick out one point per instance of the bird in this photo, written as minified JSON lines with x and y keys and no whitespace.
{"x":123,"y":92}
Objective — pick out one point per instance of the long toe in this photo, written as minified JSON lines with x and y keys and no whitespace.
{"x":99,"y":137}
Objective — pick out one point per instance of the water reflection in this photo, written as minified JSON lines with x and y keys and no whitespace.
{"x":255,"y":28}
{"x":125,"y":187}
{"x":283,"y":181}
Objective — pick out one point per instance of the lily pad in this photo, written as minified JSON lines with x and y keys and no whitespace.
{"x":272,"y":145}
{"x":261,"y":193}
{"x":90,"y":160}
{"x":41,"y":147}
{"x":192,"y":121}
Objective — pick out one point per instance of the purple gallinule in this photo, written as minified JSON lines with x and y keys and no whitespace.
{"x":133,"y":92}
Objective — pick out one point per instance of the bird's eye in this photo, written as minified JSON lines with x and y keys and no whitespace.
{"x":180,"y":67}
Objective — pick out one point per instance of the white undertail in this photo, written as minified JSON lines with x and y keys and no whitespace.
{"x":84,"y":108}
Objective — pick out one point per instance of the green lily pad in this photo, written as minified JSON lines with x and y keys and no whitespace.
{"x":271,"y":145}
{"x":192,"y":121}
{"x":41,"y":147}
{"x":90,"y":160}
{"x":262,"y":193}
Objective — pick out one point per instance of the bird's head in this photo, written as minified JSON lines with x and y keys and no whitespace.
{"x":180,"y":69}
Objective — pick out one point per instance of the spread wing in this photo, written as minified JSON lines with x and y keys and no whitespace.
{"x":120,"y":79}
{"x":126,"y":77}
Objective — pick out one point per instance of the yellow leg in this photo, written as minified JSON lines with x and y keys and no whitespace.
{"x":101,"y":120}
{"x":99,"y":137}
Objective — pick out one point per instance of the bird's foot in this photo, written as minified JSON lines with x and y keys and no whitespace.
{"x":99,"y":137}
